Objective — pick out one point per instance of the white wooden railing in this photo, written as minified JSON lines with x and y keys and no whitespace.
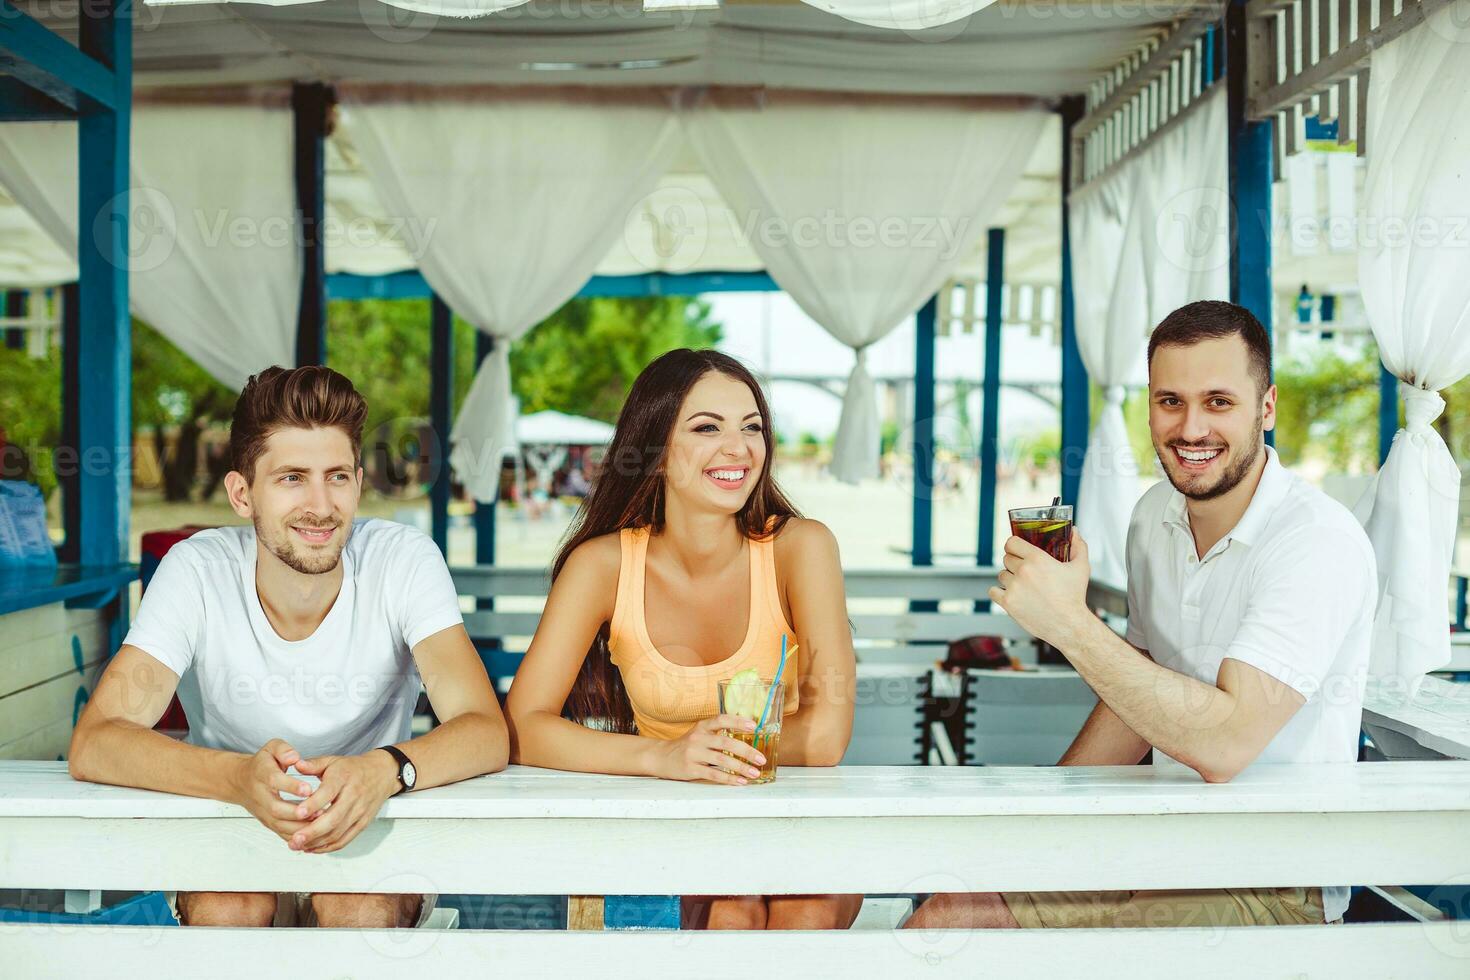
{"x":852,"y":830}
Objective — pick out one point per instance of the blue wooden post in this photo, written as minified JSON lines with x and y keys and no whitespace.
{"x":68,"y":469}
{"x":484,"y":512}
{"x":104,"y":352}
{"x":923,"y":444}
{"x":1075,"y":409}
{"x":15,"y":305}
{"x":310,"y":106}
{"x":1388,"y":411}
{"x":1249,"y":183}
{"x":441,"y":411}
{"x":995,"y":272}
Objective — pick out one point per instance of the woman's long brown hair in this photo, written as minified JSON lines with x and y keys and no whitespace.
{"x":630,"y":493}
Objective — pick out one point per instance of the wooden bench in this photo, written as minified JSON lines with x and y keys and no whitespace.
{"x":853,"y":830}
{"x":887,"y":607}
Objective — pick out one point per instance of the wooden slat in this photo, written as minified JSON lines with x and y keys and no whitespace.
{"x":1181,"y":38}
{"x":42,"y":658}
{"x":1425,"y":951}
{"x":45,"y":705}
{"x":1341,"y":64}
{"x":584,"y":913}
{"x":900,"y":627}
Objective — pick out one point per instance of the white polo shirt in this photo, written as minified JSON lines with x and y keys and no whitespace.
{"x":1290,"y":591}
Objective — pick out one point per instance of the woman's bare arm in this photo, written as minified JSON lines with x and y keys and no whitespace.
{"x":817,"y":735}
{"x":581,"y":600}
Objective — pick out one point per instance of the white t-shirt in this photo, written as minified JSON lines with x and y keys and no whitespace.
{"x":1290,"y":591}
{"x":348,"y":688}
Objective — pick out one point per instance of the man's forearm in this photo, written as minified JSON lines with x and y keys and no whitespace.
{"x":1184,"y":717}
{"x":121,"y":753}
{"x":462,"y":747}
{"x":1104,"y":741}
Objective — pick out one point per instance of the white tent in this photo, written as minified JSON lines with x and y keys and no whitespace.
{"x":552,"y":428}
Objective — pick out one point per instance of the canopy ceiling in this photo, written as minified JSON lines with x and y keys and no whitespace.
{"x":248,"y":50}
{"x":1048,"y":49}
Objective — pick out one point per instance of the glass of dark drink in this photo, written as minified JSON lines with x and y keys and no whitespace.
{"x":1048,"y":528}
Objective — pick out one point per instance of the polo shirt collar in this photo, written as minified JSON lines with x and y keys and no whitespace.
{"x":1275,"y":481}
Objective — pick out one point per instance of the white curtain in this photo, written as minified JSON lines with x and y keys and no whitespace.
{"x":1414,"y":271}
{"x":1146,"y":238}
{"x":901,"y":15}
{"x":1112,"y":324}
{"x":860,"y":208}
{"x":513,"y":200}
{"x":214,"y":263}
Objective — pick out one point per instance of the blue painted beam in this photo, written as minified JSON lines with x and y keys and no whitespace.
{"x":1075,"y":394}
{"x":21,"y":103}
{"x":410,"y":284}
{"x":923,"y":444}
{"x":68,"y":468}
{"x":484,"y":513}
{"x":15,"y":306}
{"x":995,"y":275}
{"x":310,"y":106}
{"x":1249,"y":183}
{"x":1388,"y":411}
{"x":65,"y":73}
{"x":104,"y":355}
{"x":441,"y":413}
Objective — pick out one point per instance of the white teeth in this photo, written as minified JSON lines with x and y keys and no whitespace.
{"x":1198,"y":457}
{"x":727,"y":474}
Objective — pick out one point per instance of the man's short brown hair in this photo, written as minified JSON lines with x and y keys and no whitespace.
{"x":1212,"y":319}
{"x":311,"y":397}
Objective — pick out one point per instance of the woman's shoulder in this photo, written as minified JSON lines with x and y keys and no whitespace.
{"x":804,"y":535}
{"x":600,"y":554}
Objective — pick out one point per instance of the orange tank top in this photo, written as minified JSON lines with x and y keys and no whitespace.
{"x":668,"y":698}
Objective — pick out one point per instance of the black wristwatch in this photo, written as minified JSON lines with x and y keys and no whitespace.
{"x":407,"y":774}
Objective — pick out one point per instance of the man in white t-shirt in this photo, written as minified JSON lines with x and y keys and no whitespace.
{"x":1250,"y":605}
{"x":297,"y":645}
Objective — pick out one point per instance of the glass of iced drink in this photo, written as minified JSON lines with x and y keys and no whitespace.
{"x":744,"y":695}
{"x":1048,"y":528}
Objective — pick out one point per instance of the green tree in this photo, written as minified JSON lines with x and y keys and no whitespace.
{"x":171,"y":390}
{"x":30,"y":415}
{"x":584,"y":357}
{"x":1327,"y":407}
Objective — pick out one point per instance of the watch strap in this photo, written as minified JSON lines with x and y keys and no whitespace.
{"x":402,"y":761}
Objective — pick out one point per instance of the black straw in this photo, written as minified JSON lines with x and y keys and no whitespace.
{"x":1056,"y":500}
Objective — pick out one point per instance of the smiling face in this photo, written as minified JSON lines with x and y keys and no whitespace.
{"x":302,"y":496}
{"x":717,"y":447}
{"x":1207,"y":415}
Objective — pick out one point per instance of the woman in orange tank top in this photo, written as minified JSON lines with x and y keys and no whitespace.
{"x":685,"y":565}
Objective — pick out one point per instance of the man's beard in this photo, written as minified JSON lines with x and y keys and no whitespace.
{"x":284,"y":548}
{"x":1229,"y":480}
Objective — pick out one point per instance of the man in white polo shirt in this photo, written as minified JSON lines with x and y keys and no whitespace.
{"x":298,"y":644}
{"x":1250,"y":605}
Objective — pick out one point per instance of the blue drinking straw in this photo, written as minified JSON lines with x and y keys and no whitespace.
{"x":772,"y":692}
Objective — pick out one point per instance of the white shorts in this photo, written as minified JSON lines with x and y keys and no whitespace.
{"x":294,"y":910}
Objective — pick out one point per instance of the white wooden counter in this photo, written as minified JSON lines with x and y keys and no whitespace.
{"x":1434,"y":725}
{"x":850,"y":829}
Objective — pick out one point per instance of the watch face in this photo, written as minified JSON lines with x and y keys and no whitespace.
{"x":409,"y":775}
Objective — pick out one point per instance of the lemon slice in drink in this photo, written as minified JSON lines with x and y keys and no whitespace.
{"x":745,"y":695}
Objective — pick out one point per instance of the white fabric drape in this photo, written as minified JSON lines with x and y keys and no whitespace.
{"x":214,"y":262}
{"x":1112,"y":324}
{"x":514,"y":200}
{"x":1146,"y":239}
{"x":860,"y":208}
{"x":1416,"y":291}
{"x":901,"y":15}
